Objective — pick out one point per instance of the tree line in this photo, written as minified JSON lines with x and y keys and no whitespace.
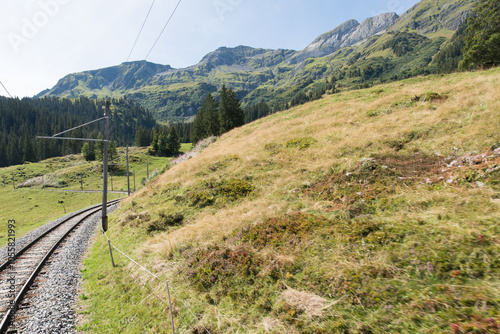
{"x":22,"y":120}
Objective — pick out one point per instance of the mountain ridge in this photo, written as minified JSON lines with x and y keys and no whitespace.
{"x":347,"y":34}
{"x":264,"y":75}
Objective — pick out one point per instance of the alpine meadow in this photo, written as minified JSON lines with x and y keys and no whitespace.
{"x":349,"y":187}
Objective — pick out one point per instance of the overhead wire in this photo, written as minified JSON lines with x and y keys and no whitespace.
{"x":140,"y":31}
{"x":156,"y":41}
{"x":6,"y":89}
{"x":164,"y":27}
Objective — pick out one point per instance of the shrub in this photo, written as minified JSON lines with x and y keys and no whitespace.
{"x":201,"y":198}
{"x":223,"y":163}
{"x":283,"y":231}
{"x":220,"y":265}
{"x":238,"y":273}
{"x":165,"y":221}
{"x":429,"y":97}
{"x":230,"y":190}
{"x":234,"y":189}
{"x":300,"y":143}
{"x":273,"y":148}
{"x":374,"y":178}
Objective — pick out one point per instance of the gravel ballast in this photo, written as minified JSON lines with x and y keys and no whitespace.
{"x":52,"y":302}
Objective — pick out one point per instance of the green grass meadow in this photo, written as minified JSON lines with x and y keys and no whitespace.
{"x":59,"y":192}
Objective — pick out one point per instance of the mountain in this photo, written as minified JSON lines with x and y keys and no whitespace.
{"x":347,"y":34}
{"x":245,"y":56}
{"x":385,"y":47}
{"x":121,"y":78}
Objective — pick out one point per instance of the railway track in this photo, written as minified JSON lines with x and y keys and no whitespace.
{"x":19,"y":271}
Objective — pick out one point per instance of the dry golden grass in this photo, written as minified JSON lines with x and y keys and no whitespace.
{"x":346,"y":127}
{"x":467,"y":119}
{"x":312,"y":304}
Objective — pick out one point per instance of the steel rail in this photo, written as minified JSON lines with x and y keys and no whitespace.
{"x":34,"y":241}
{"x":4,"y":325}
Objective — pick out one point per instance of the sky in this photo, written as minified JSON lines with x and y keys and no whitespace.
{"x":41,"y":41}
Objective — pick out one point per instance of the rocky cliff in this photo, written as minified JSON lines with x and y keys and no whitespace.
{"x":347,"y":34}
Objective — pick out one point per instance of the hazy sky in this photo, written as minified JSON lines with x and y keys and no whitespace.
{"x":43,"y":40}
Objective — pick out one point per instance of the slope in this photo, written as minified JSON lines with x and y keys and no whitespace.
{"x":434,"y":16}
{"x":368,"y":211}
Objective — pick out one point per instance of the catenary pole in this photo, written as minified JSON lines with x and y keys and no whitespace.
{"x":128,"y":176}
{"x":107,"y":113}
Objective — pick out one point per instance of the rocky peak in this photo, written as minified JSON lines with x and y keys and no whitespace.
{"x":243,"y":58}
{"x":372,"y":26}
{"x":230,"y":56}
{"x":347,"y":34}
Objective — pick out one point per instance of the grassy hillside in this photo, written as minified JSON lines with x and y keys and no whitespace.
{"x":368,"y":211}
{"x":429,"y":17}
{"x":51,"y":188}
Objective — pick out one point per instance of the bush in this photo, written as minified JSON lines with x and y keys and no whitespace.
{"x":219,"y":265}
{"x":300,"y":143}
{"x":273,"y":148}
{"x":165,"y":221}
{"x":282,"y":231}
{"x":231,"y":190}
{"x":201,"y":198}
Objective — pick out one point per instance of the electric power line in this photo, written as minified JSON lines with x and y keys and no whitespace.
{"x":6,"y":89}
{"x":144,"y":23}
{"x":164,"y":27}
{"x":140,"y":31}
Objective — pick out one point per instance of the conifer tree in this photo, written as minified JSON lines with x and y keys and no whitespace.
{"x":14,"y":150}
{"x":112,"y":152}
{"x":482,"y":40}
{"x":88,"y":151}
{"x":237,"y":114}
{"x":199,"y":126}
{"x":154,"y":143}
{"x":212,"y":113}
{"x":173,"y":142}
{"x":224,"y":111}
{"x":206,"y":122}
{"x":99,"y":147}
{"x":3,"y":153}
{"x":162,"y":144}
{"x":230,"y":113}
{"x":142,"y":137}
{"x":28,"y":150}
